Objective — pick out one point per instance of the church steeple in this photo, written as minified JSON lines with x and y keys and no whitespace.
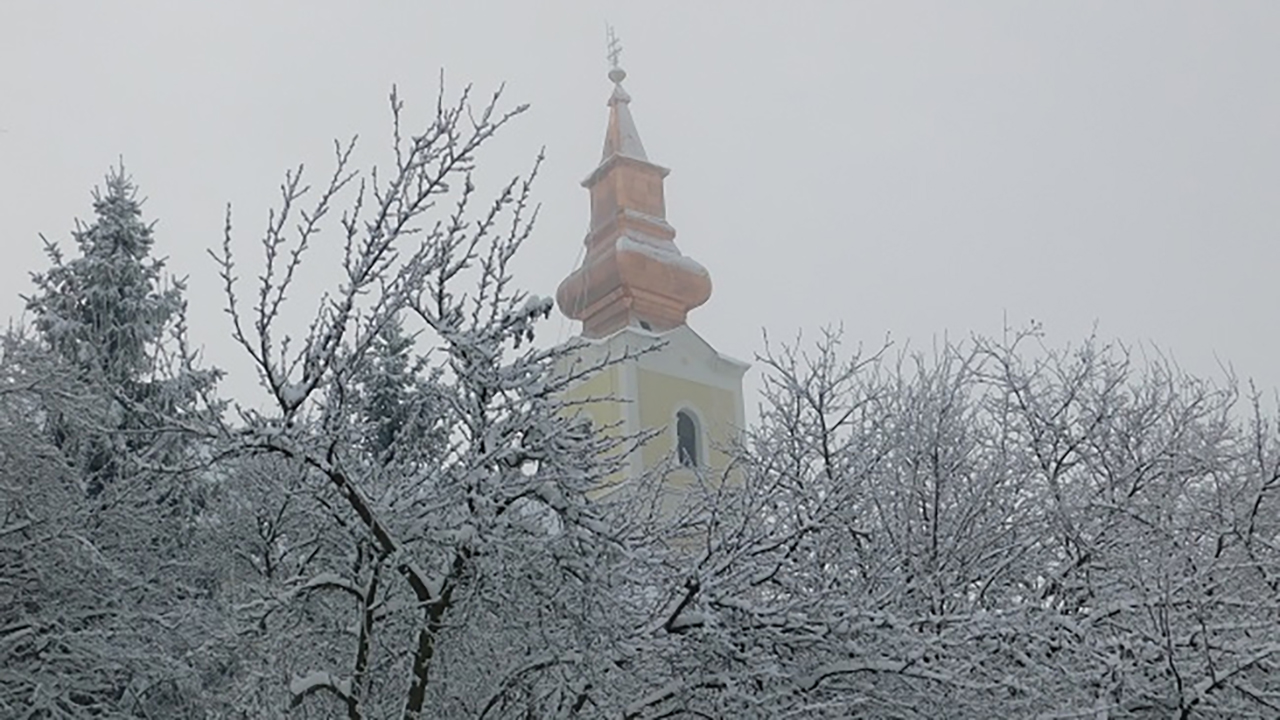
{"x":633,"y":273}
{"x":634,"y":284}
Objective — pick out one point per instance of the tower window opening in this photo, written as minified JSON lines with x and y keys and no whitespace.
{"x":686,"y":439}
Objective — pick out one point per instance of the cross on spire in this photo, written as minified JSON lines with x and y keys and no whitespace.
{"x":615,"y":47}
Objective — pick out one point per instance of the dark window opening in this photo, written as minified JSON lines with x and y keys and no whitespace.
{"x":686,"y":439}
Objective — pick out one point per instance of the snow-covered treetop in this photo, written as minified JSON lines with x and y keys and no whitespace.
{"x":105,"y":309}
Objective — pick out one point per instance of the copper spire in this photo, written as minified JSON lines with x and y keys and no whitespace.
{"x":633,"y":273}
{"x":621,"y":136}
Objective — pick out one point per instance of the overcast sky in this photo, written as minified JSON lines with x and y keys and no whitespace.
{"x":912,"y":170}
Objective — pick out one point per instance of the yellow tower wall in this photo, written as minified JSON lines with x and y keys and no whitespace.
{"x":677,"y":371}
{"x":714,"y":408}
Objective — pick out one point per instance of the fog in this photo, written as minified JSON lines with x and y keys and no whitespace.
{"x":916,"y":172}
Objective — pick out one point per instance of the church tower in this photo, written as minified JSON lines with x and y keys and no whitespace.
{"x":634,"y":290}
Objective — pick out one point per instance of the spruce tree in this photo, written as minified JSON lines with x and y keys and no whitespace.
{"x":397,"y":399}
{"x":105,"y":314}
{"x":122,"y":579}
{"x":106,"y":310}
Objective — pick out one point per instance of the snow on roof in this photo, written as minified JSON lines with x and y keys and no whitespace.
{"x":664,"y":251}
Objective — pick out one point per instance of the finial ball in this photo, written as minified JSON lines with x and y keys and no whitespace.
{"x":617,"y":75}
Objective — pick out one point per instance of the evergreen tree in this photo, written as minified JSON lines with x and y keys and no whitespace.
{"x":397,"y":399}
{"x":113,"y":390}
{"x":106,"y":310}
{"x":105,"y":313}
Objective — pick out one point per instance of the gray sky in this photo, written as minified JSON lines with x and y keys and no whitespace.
{"x":915,"y":170}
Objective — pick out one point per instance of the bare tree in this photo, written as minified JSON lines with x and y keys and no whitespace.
{"x":107,"y":602}
{"x":476,"y":541}
{"x":996,"y":529}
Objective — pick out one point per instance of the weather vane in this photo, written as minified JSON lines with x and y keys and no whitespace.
{"x":615,"y":47}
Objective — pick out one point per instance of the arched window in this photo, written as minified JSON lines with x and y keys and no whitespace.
{"x":687,"y":439}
